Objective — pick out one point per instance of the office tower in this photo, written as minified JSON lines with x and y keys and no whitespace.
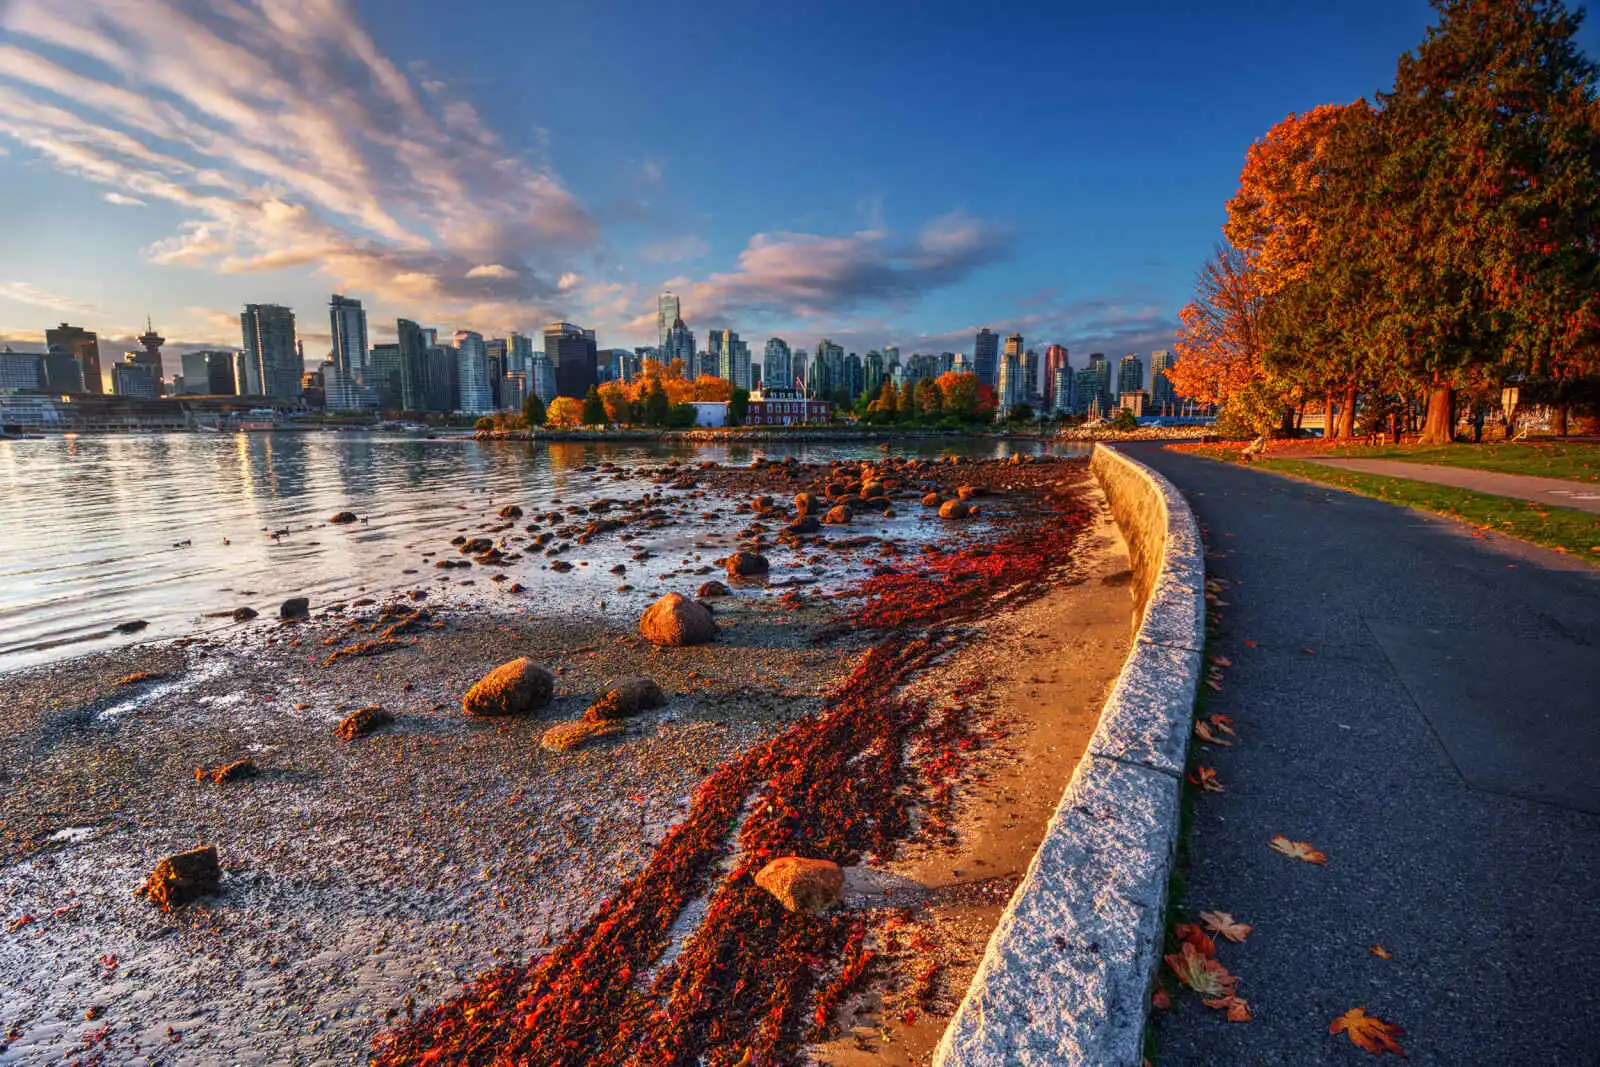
{"x":519,"y":353}
{"x":714,"y":347}
{"x":150,"y":358}
{"x":1163,"y":397}
{"x":476,"y":396}
{"x":571,"y":350}
{"x":133,"y":378}
{"x":777,"y":364}
{"x":413,"y":365}
{"x":1030,"y":374}
{"x":20,"y":371}
{"x":272,"y":359}
{"x":1008,"y":388}
{"x":220,"y":380}
{"x":960,"y":364}
{"x":1097,"y":363}
{"x":872,"y":374}
{"x":985,"y":352}
{"x":668,"y":313}
{"x":1014,"y":346}
{"x":246,"y":375}
{"x":444,"y":375}
{"x":385,"y":377}
{"x":1061,"y":388}
{"x":1055,"y":357}
{"x":818,"y":381}
{"x":733,"y":359}
{"x":84,"y":347}
{"x":61,"y":372}
{"x":1130,"y":374}
{"x":797,"y":372}
{"x":891,"y":357}
{"x":543,"y":380}
{"x":854,"y":377}
{"x":680,"y":345}
{"x":196,"y":373}
{"x":347,"y":323}
{"x":828,"y":366}
{"x":513,"y":390}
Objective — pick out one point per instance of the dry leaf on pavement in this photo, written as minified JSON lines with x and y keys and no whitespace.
{"x":1381,"y":952}
{"x":1368,"y":1032}
{"x":1205,"y":976}
{"x":1203,"y":732}
{"x":1238,"y":1010}
{"x":1190,"y":934}
{"x":1300,"y":850}
{"x":1220,"y":922}
{"x":1206,"y":779}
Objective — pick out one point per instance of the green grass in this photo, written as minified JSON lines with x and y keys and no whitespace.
{"x":1544,"y":459}
{"x":1576,"y":533}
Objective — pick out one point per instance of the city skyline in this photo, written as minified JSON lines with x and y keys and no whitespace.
{"x":191,"y":154}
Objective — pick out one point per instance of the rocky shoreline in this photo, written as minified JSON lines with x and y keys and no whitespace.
{"x":365,"y":877}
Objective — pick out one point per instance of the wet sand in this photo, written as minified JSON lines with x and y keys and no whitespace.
{"x":367,"y":879}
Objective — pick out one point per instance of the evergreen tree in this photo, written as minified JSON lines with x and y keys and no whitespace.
{"x":533,"y":410}
{"x":657,"y":408}
{"x":594,"y":409}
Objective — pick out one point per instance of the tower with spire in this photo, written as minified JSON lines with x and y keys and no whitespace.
{"x":150,"y":358}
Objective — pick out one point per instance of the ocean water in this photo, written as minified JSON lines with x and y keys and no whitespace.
{"x":174,"y":528}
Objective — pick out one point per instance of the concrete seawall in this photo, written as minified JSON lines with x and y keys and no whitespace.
{"x":1067,"y":974}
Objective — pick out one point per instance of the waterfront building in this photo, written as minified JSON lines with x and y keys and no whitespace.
{"x":196,"y":374}
{"x":62,"y":372}
{"x":513,"y":390}
{"x":220,"y":379}
{"x":571,"y":351}
{"x":543,"y":380}
{"x":412,"y":343}
{"x":273,"y":361}
{"x":854,"y":378}
{"x":1008,"y":389}
{"x":1092,"y":387}
{"x":784,"y":406}
{"x":985,"y":353}
{"x":1163,"y":397}
{"x":668,"y":314}
{"x":347,"y":325}
{"x":777,"y":364}
{"x":444,"y":375}
{"x":1134,"y":401}
{"x":1030,"y":374}
{"x":477,"y":398}
{"x":150,"y":358}
{"x":1130,"y":374}
{"x":386,"y":378}
{"x":20,"y":371}
{"x":733,"y":358}
{"x":130,"y":378}
{"x":83,"y":346}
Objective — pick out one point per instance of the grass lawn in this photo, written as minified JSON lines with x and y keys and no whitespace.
{"x":1576,"y":533}
{"x":1545,"y":459}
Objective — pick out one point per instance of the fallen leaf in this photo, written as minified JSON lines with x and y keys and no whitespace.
{"x":1220,"y":922}
{"x":1381,"y":952}
{"x":1201,"y":974}
{"x":1308,"y":652}
{"x":1161,"y":1000}
{"x":1190,"y":934}
{"x":1203,"y":732}
{"x":1300,"y":850}
{"x":1213,"y":686}
{"x":1368,"y":1032}
{"x":1249,"y":644}
{"x":1222,"y":661}
{"x":1223,"y":723}
{"x":1206,"y":779}
{"x":1238,"y":1010}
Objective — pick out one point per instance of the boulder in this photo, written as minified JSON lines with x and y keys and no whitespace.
{"x":627,"y":696}
{"x":745,"y":564}
{"x":872,"y":489}
{"x":341,"y":518}
{"x":967,"y":492}
{"x":932,"y":500}
{"x":511,"y":688}
{"x":954,"y":509}
{"x":566,"y":736}
{"x":182,"y":877}
{"x":677,"y":620}
{"x":711,"y":589}
{"x":244,"y":614}
{"x":510,"y":511}
{"x":805,"y":503}
{"x":132,"y":627}
{"x":801,"y":884}
{"x":805,"y":524}
{"x":837,"y":516}
{"x":361,"y":723}
{"x":296,"y":607}
{"x":231,"y":772}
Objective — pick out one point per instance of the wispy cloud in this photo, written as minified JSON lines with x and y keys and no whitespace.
{"x":291,"y":141}
{"x":24,"y":293}
{"x":125,"y":201}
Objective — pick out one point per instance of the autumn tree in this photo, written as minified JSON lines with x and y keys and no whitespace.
{"x":887,"y":405}
{"x":618,"y":404}
{"x":1219,"y":343}
{"x":564,"y":411}
{"x":958,"y":392}
{"x":927,"y":399}
{"x":594,"y":409}
{"x":709,"y":389}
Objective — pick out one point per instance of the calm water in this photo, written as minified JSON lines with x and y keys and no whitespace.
{"x":91,"y":528}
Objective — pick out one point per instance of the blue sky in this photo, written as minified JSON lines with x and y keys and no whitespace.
{"x":879,"y":173}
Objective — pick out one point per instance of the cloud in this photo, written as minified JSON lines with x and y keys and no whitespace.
{"x":800,"y":275}
{"x":125,"y":201}
{"x":291,"y":142}
{"x":24,"y":293}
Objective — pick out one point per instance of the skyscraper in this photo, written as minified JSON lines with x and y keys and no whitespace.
{"x":733,"y":359}
{"x":1130,"y":374}
{"x":1055,"y":357}
{"x":220,"y":380}
{"x":1011,"y":382}
{"x":473,"y":360}
{"x":668,"y":312}
{"x":413,"y":366}
{"x":1163,"y":397}
{"x":150,"y":358}
{"x":272,"y":359}
{"x":985,"y":352}
{"x":196,"y":374}
{"x":347,"y":323}
{"x":444,"y":374}
{"x":777,"y":365}
{"x":384,"y":376}
{"x":1030,"y":374}
{"x":83,"y":346}
{"x":132,"y":378}
{"x":519,"y":353}
{"x":571,"y":350}
{"x":680,"y":346}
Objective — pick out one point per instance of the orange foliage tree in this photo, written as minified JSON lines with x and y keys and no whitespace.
{"x":564,"y":411}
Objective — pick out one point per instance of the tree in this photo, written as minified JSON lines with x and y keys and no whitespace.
{"x":484,"y":424}
{"x":657,"y":408}
{"x":709,"y":389}
{"x":928,"y":403}
{"x":958,"y":393}
{"x":533,"y":410}
{"x":564,"y":411}
{"x":738,"y":406}
{"x":887,"y":406}
{"x":1124,"y":421}
{"x":906,"y":402}
{"x":594,"y":409}
{"x":618,"y":405}
{"x":1219,"y":339}
{"x":1020,"y":413}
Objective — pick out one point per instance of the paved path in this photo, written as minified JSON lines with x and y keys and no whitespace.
{"x":1440,"y":741}
{"x":1583,"y":496}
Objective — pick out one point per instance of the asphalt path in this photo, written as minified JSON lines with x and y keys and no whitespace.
{"x":1421,"y":702}
{"x":1580,"y":496}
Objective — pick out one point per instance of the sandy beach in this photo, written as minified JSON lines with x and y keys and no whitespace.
{"x":367,"y":883}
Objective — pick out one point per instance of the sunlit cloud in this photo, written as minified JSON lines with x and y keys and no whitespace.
{"x":24,"y":293}
{"x":125,"y":201}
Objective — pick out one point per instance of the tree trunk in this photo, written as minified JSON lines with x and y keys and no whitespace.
{"x":1286,"y":426}
{"x":1439,"y":429}
{"x":1347,"y":414}
{"x":1561,"y":419}
{"x":1330,"y":429}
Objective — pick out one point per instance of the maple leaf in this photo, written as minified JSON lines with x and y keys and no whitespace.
{"x":1237,"y":1008}
{"x":1222,"y":661}
{"x":1205,"y":976}
{"x":1161,"y":1000}
{"x":1206,"y":779}
{"x":1203,"y":732}
{"x":1220,"y":922}
{"x":1222,"y":723}
{"x":1300,"y":850}
{"x":1190,"y":934}
{"x":1368,"y":1032}
{"x":1212,"y":685}
{"x":1250,"y":644}
{"x":1381,"y":952}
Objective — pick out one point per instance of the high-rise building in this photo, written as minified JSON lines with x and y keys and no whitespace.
{"x":543,"y":382}
{"x":872,"y":374}
{"x":680,"y":346}
{"x":891,"y":357}
{"x":960,"y":364}
{"x":733,"y":358}
{"x":1014,"y":346}
{"x":668,"y":312}
{"x":83,"y":346}
{"x":150,"y":358}
{"x":1011,"y":381}
{"x":132,"y":378}
{"x":220,"y":380}
{"x":777,"y":364}
{"x":985,"y":353}
{"x":571,"y":350}
{"x":413,"y":365}
{"x":1030,"y":374}
{"x":1055,"y":357}
{"x":61,"y":372}
{"x":347,"y":322}
{"x":476,"y":396}
{"x":20,"y":371}
{"x":385,"y":376}
{"x":1130,"y":374}
{"x":444,"y":375}
{"x":1061,"y":388}
{"x":196,"y":374}
{"x":1092,"y":387}
{"x":1163,"y":397}
{"x":272,"y":359}
{"x":519,"y":353}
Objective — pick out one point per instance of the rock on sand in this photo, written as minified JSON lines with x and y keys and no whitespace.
{"x":627,"y":696}
{"x":677,"y":620}
{"x":746,"y":564}
{"x":180,"y":878}
{"x":801,"y":884}
{"x":510,"y":688}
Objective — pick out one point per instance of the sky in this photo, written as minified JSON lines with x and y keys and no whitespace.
{"x":883,"y":173}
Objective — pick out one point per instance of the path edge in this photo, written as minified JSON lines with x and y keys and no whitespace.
{"x":1067,"y":974}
